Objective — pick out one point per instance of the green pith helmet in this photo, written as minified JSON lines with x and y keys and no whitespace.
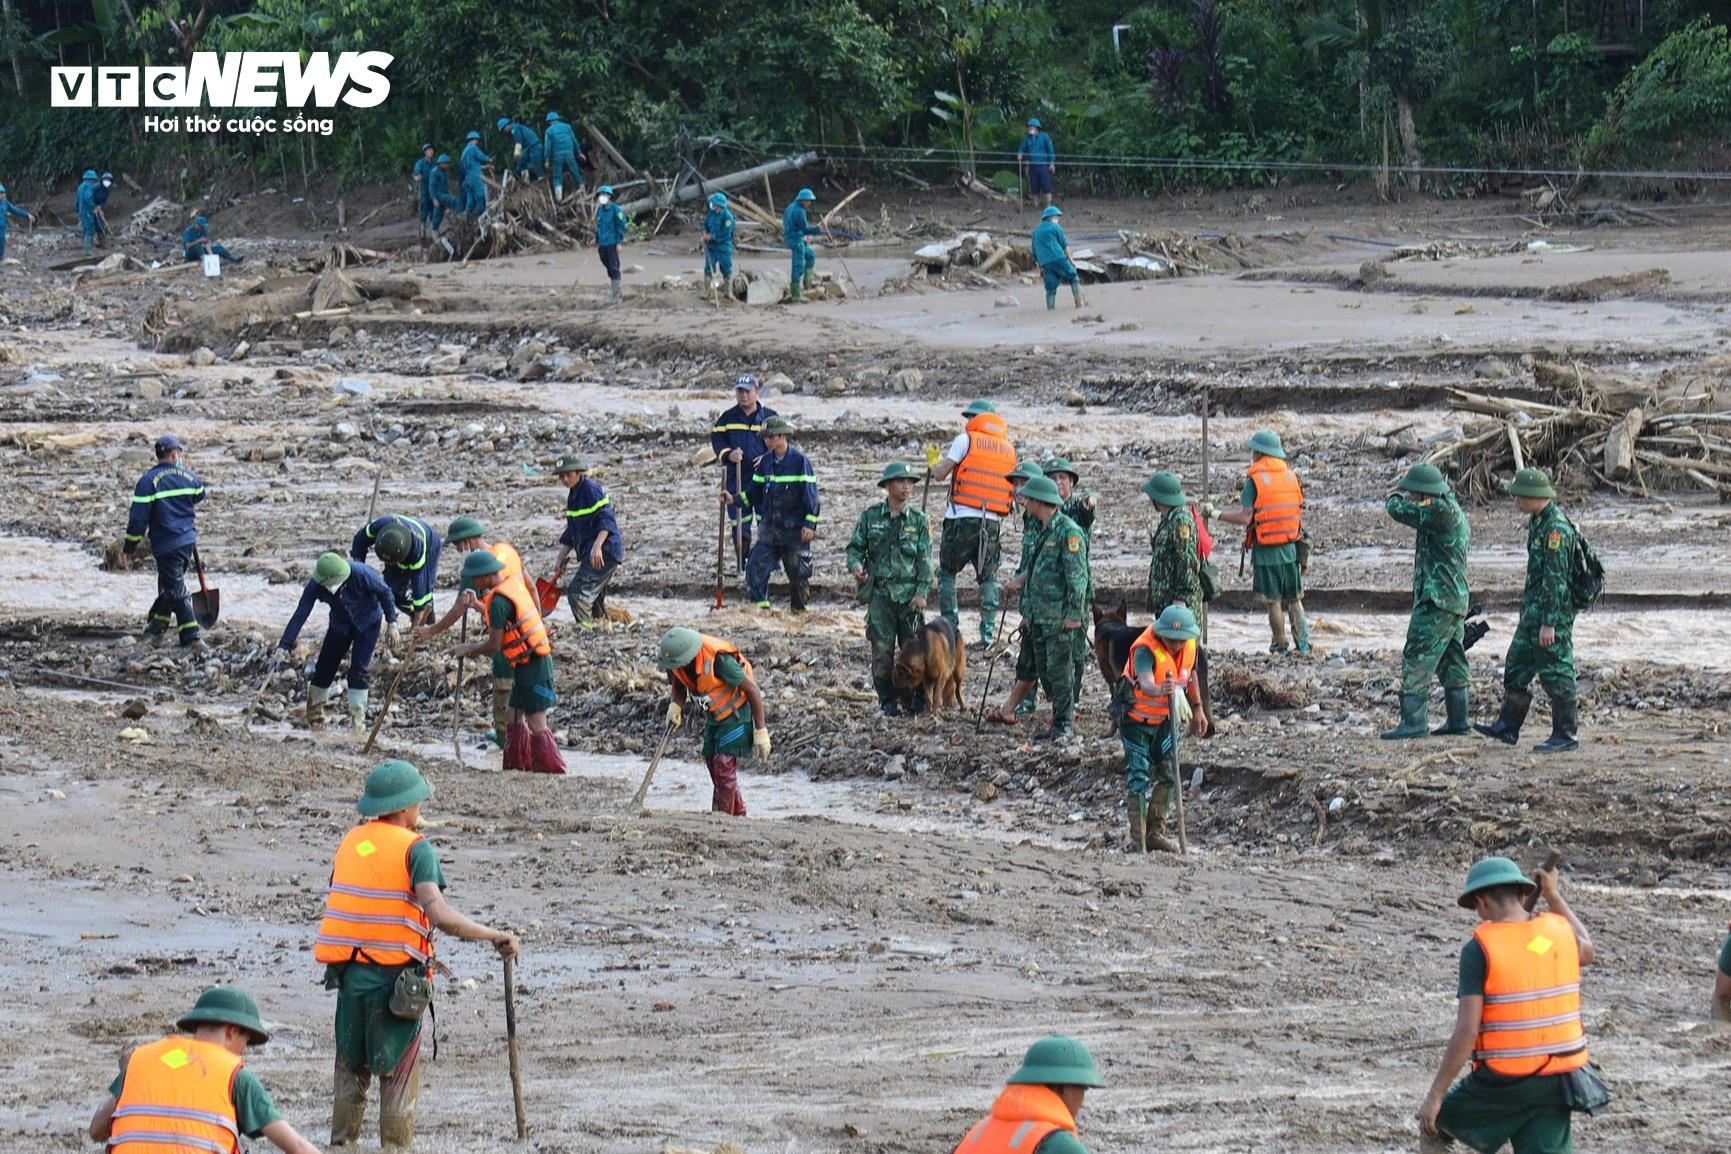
{"x":1055,"y":465}
{"x":777,"y":427}
{"x":1267,"y":442}
{"x":1058,"y":1061}
{"x":1492,"y":871}
{"x":975,"y":408}
{"x":226,"y":1006}
{"x":331,"y":570}
{"x":392,"y":788}
{"x":678,"y":647}
{"x":393,"y":543}
{"x":1425,"y":479}
{"x":479,"y":563}
{"x":1042,"y":489}
{"x":1531,"y":483}
{"x":1164,"y":488}
{"x":465,"y":528}
{"x":1025,"y":471}
{"x":1177,"y":623}
{"x":569,"y":464}
{"x":897,"y":471}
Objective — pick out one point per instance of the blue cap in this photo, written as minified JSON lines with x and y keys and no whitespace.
{"x":444,"y":158}
{"x":201,"y":220}
{"x":552,"y":116}
{"x":1033,"y":122}
{"x":89,"y":174}
{"x":108,"y":176}
{"x":805,"y":194}
{"x":1051,"y":211}
{"x":168,"y":443}
{"x":473,"y":136}
{"x":604,"y":190}
{"x":717,"y":199}
{"x":747,"y":381}
{"x":2,"y":190}
{"x":503,"y":123}
{"x":427,"y":146}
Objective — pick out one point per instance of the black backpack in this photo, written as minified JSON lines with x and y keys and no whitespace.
{"x":1586,"y":572}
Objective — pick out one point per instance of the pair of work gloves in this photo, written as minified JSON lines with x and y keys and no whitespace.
{"x":759,"y":737}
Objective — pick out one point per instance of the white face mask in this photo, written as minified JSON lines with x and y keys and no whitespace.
{"x":1032,"y":131}
{"x":605,"y":200}
{"x":108,"y":184}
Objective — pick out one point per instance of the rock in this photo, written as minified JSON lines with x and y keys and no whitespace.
{"x":135,"y":733}
{"x":135,"y":709}
{"x":526,"y":352}
{"x":201,"y":358}
{"x":985,"y":791}
{"x":766,"y":287}
{"x":778,"y":382}
{"x":1647,"y":879}
{"x":344,"y":431}
{"x":1006,"y":302}
{"x":533,"y":371}
{"x":1372,"y":271}
{"x":894,"y":768}
{"x":907,"y":380}
{"x":834,"y":386}
{"x":351,"y":387}
{"x":874,"y":375}
{"x":148,"y":390}
{"x":1493,"y":369}
{"x":833,"y":361}
{"x":1075,"y":399}
{"x":1001,"y":778}
{"x":240,"y":351}
{"x":340,"y":336}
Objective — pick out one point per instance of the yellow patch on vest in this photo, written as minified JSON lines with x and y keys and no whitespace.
{"x":176,"y":1058}
{"x":366,"y":849}
{"x":1555,"y":540}
{"x":1540,"y":945}
{"x":1184,"y":532}
{"x":1075,"y":544}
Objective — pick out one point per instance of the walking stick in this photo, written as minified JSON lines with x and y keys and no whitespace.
{"x":391,"y":692}
{"x":643,"y":789}
{"x":1177,"y":778}
{"x":738,"y":522}
{"x":991,"y":667}
{"x":457,"y":696}
{"x":373,"y":501}
{"x":720,"y":551}
{"x":275,"y":661}
{"x":1207,"y":495}
{"x":511,"y":1050}
{"x":931,"y":463}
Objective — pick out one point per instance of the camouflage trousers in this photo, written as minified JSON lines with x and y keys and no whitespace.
{"x":888,"y":624}
{"x":969,"y":541}
{"x":1433,"y":650}
{"x":1554,"y":665}
{"x":1054,"y":649}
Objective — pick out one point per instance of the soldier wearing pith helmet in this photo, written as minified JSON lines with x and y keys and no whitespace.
{"x":1436,"y":631}
{"x":1036,"y":1112}
{"x":698,"y":665}
{"x":890,"y":557}
{"x":1272,"y":513}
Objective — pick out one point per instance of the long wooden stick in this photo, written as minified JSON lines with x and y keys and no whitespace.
{"x":391,"y":692}
{"x":643,"y":789}
{"x":511,"y":1051}
{"x":457,"y":696}
{"x":739,"y":522}
{"x":1177,"y":778}
{"x":259,"y":696}
{"x":845,"y":201}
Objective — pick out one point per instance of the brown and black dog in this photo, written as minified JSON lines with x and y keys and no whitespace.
{"x":1113,"y":637}
{"x":932,"y":663}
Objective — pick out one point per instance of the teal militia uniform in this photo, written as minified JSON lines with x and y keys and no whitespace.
{"x":718,"y":227}
{"x":895,"y":550}
{"x":1436,"y":629}
{"x":1546,"y":600}
{"x":1054,"y":593}
{"x":794,"y":229}
{"x":1052,"y":254}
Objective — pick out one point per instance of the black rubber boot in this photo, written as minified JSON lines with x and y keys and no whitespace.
{"x":889,"y":697}
{"x":1414,"y":718}
{"x":1456,"y":702}
{"x":1564,"y":712}
{"x":1507,"y":727}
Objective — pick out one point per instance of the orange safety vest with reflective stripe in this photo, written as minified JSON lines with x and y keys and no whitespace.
{"x":1020,"y":1120}
{"x":1279,"y":509}
{"x":1153,"y":710}
{"x":724,"y":699}
{"x":371,"y":912}
{"x":509,"y":558}
{"x":525,"y":634}
{"x":178,"y":1094}
{"x":982,"y":480}
{"x":1532,"y":1016}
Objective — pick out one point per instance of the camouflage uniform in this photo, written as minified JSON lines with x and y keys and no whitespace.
{"x":1436,"y":629}
{"x":1546,"y":600}
{"x":959,"y":546}
{"x":1076,"y":508}
{"x":1055,"y":592}
{"x":1174,"y":573}
{"x":895,"y":550}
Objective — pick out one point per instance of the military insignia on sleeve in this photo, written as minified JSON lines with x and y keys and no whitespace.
{"x":1075,"y":544}
{"x":1555,"y":540}
{"x":1183,"y":532}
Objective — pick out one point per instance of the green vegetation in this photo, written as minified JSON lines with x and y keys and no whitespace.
{"x":1214,"y":87}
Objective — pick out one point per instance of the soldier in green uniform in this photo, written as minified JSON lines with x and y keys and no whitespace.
{"x":1542,"y":646}
{"x":1175,"y":563}
{"x":1079,"y":507}
{"x":1271,"y":509}
{"x":1149,"y":739}
{"x":1024,"y":692}
{"x":890,"y":557}
{"x":1055,"y":583}
{"x":1437,"y":628}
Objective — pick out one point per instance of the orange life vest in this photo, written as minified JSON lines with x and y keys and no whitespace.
{"x":178,"y":1095}
{"x":724,"y":699}
{"x":1279,"y":502}
{"x":1153,"y":710}
{"x":1020,"y":1120}
{"x":525,"y":634}
{"x":982,"y":480}
{"x":371,"y":913}
{"x":509,"y":558}
{"x":1532,"y":1015}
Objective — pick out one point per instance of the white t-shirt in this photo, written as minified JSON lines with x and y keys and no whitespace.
{"x":957,"y":453}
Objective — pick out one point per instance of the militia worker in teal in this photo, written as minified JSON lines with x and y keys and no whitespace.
{"x":1518,"y":1020}
{"x":474,"y":184}
{"x":8,"y":210}
{"x":1437,"y":629}
{"x":1272,"y":513}
{"x":1053,"y":587}
{"x":1079,"y":507}
{"x":559,"y":142}
{"x":1037,"y":1111}
{"x":386,"y":897}
{"x":890,"y":557}
{"x":525,"y":148}
{"x":193,"y":1088}
{"x":1052,"y":254}
{"x":1543,"y":644}
{"x":85,"y":203}
{"x":794,"y":229}
{"x":1022,"y":699}
{"x":718,"y":226}
{"x":610,"y":225}
{"x":439,"y":196}
{"x":423,"y":188}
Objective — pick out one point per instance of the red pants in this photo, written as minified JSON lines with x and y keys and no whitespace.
{"x":724,"y":773}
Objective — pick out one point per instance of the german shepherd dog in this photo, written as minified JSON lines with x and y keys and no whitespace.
{"x":1113,"y":637}
{"x":931,"y":663}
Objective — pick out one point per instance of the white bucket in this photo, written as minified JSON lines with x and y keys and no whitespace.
{"x":212,"y":264}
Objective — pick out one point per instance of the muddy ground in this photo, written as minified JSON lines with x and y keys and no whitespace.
{"x":857,"y":965}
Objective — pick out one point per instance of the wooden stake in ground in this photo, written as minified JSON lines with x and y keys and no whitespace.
{"x":511,"y":1051}
{"x":259,"y":696}
{"x":1177,"y":778}
{"x":1207,"y":493}
{"x":391,"y":691}
{"x":643,"y":787}
{"x":457,"y":696}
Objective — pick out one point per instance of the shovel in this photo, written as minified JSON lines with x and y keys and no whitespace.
{"x":546,"y":595}
{"x":207,"y":602}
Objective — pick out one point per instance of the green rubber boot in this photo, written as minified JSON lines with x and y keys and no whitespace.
{"x":1414,"y":718}
{"x":1456,"y":702}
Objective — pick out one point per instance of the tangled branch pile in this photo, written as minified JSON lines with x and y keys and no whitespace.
{"x":1635,"y":436}
{"x":522,"y":217}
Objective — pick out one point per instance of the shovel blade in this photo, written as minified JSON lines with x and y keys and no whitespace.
{"x":546,"y":594}
{"x":206,"y":605}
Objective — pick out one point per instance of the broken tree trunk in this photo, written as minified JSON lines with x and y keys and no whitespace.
{"x":613,"y":154}
{"x":732,"y":180}
{"x":1620,"y":446}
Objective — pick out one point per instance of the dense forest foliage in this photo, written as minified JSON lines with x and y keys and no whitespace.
{"x":1134,"y":96}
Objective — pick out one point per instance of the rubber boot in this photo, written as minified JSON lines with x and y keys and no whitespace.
{"x":1300,"y":625}
{"x":1456,"y":702}
{"x":1277,"y":626}
{"x":357,"y":702}
{"x":397,"y":1096}
{"x":316,"y":707}
{"x":617,"y":295}
{"x":501,"y":709}
{"x":914,"y":701}
{"x":1076,"y":295}
{"x":518,"y":754}
{"x":1057,"y":731}
{"x":809,"y":280}
{"x":348,"y":1106}
{"x":1137,"y":806}
{"x":1158,"y":842}
{"x":1414,"y":718}
{"x":889,"y":700}
{"x":1564,"y":712}
{"x":724,"y":778}
{"x":1051,"y":299}
{"x":1507,"y":727}
{"x":544,"y":755}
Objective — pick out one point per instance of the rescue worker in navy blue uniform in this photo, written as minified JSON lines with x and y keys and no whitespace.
{"x":408,"y":548}
{"x":737,"y":440}
{"x":592,"y":533}
{"x":782,"y":496}
{"x":360,"y":603}
{"x":163,"y":504}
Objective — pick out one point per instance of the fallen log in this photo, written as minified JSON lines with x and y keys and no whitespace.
{"x":1620,"y":446}
{"x":613,"y":154}
{"x":726,"y":183}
